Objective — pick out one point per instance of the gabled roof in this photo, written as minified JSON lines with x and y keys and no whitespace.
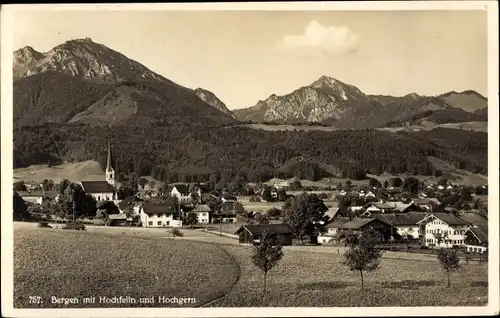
{"x":477,"y":220}
{"x":182,"y":188}
{"x":258,"y":229}
{"x":481,"y":235}
{"x":337,"y":223}
{"x":156,"y":208}
{"x":201,"y":208}
{"x":332,"y":212}
{"x":97,"y":187}
{"x":402,"y":219}
{"x":448,"y":219}
{"x":357,"y":223}
{"x":422,"y":201}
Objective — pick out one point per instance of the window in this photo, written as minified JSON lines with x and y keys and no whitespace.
{"x":150,"y":223}
{"x":98,"y":198}
{"x":159,"y":223}
{"x":168,"y":222}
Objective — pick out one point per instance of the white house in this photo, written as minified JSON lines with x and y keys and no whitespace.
{"x":476,"y":237}
{"x":203,"y":213}
{"x":451,"y":229}
{"x":331,"y":230}
{"x":281,"y":185}
{"x":100,"y":190}
{"x":37,"y":196}
{"x":407,"y":224}
{"x":183,"y":192}
{"x":370,"y":195}
{"x":342,"y":192}
{"x":158,"y":215}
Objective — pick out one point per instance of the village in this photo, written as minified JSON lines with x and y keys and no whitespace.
{"x":433,"y":216}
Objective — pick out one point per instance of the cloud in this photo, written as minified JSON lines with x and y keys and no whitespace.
{"x":319,"y":39}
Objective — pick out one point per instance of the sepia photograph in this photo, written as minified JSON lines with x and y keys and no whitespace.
{"x":250,"y":159}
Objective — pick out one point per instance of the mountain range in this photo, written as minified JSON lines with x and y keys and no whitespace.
{"x":81,"y":81}
{"x":330,"y":101}
{"x":69,"y":103}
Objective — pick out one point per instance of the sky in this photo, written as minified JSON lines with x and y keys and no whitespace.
{"x":245,"y":56}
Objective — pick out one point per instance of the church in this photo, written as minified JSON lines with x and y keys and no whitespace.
{"x":103,"y":190}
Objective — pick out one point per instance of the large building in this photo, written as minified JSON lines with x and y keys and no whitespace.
{"x":103,"y":190}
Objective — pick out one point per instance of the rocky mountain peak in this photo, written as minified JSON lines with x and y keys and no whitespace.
{"x":211,"y":99}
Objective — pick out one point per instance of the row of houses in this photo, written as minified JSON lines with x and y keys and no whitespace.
{"x":469,"y":230}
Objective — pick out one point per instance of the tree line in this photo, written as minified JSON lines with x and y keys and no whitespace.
{"x":188,"y":154}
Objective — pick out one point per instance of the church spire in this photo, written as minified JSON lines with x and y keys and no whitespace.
{"x":108,"y":166}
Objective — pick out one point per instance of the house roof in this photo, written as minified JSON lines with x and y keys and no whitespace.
{"x":337,"y":223}
{"x":182,"y":188}
{"x":357,"y":223}
{"x":48,"y":194}
{"x":156,"y":208}
{"x":201,"y":208}
{"x":383,"y":205}
{"x":449,"y":219}
{"x":258,"y":229}
{"x":481,"y":235}
{"x":119,"y":216}
{"x":421,"y":201}
{"x":477,"y":220}
{"x":332,"y":212}
{"x":97,"y":187}
{"x":401,"y":219}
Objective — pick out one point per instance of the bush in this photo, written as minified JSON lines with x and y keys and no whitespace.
{"x":79,"y":226}
{"x":44,"y":224}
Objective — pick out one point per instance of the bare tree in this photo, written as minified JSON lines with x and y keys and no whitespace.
{"x":449,"y":260}
{"x":267,"y":254}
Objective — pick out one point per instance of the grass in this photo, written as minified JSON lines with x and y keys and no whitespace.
{"x":51,"y":262}
{"x":305,"y":279}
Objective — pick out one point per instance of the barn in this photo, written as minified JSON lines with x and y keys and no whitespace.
{"x":251,"y":234}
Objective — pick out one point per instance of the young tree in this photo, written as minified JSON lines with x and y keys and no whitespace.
{"x":191,"y":219}
{"x":440,"y":238}
{"x":449,"y":260}
{"x":267,"y":254}
{"x":266,"y":195}
{"x":361,"y":254}
{"x":176,"y":232}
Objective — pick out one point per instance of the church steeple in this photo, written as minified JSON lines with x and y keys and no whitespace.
{"x":108,"y":166}
{"x":110,"y":171}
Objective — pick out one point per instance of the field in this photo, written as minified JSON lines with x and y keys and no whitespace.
{"x":308,"y":279}
{"x":87,"y":170}
{"x":426,"y":125}
{"x":141,"y":262}
{"x":63,"y":263}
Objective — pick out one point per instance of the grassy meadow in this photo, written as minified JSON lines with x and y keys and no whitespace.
{"x":308,"y":279}
{"x":143,"y":262}
{"x":64,"y":263}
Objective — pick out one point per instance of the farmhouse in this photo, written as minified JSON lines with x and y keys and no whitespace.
{"x":407,"y":224}
{"x":332,"y":229}
{"x":181,"y":191}
{"x":228,"y":212}
{"x":251,"y":234}
{"x":202,"y":212}
{"x":444,"y":230}
{"x":282,"y":185}
{"x":476,"y":237}
{"x":427,"y":204}
{"x":100,"y":190}
{"x":362,"y":224}
{"x":158,"y":215}
{"x":37,"y":196}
